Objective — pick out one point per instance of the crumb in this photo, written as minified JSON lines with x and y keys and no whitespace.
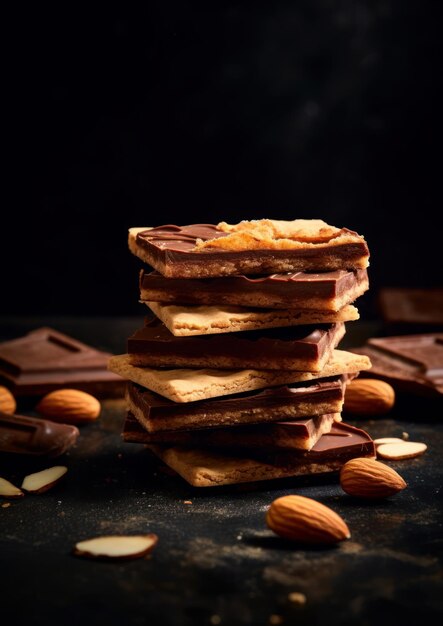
{"x":5,"y":505}
{"x":405,"y":436}
{"x":187,"y":501}
{"x":275,"y":619}
{"x":297,"y":598}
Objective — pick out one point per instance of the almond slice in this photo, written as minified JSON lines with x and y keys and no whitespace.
{"x":116,"y":546}
{"x":44,"y":480}
{"x":8,"y":490}
{"x":382,"y":440}
{"x":403,"y":450}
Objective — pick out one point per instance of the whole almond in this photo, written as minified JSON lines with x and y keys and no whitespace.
{"x":368,"y":396}
{"x":69,"y":406}
{"x":7,"y":401}
{"x":302,"y":519}
{"x":368,"y":478}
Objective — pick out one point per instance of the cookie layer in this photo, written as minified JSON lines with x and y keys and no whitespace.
{"x":189,"y":385}
{"x":204,"y":320}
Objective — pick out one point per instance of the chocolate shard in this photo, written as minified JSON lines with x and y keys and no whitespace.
{"x":304,"y":348}
{"x":157,"y":413}
{"x":410,"y":363}
{"x":176,"y":252}
{"x":412,"y":307}
{"x":46,"y":359}
{"x":319,"y":291}
{"x":204,"y":467}
{"x":296,"y":434}
{"x":20,"y":434}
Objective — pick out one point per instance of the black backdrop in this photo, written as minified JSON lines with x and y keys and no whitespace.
{"x":189,"y":112}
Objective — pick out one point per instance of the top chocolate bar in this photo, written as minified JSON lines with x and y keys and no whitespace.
{"x":249,"y":247}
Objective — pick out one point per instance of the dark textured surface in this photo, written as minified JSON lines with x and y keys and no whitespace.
{"x":216,"y":562}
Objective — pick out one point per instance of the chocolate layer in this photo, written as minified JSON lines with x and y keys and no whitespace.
{"x":342,"y":443}
{"x":411,"y":363}
{"x":205,"y":467}
{"x":157,"y":413}
{"x":296,"y":434}
{"x":171,"y":250}
{"x":20,"y":434}
{"x":45,"y":360}
{"x":303,"y":290}
{"x":296,"y":347}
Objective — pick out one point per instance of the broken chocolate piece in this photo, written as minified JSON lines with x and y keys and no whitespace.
{"x":324,"y":291}
{"x":182,"y":252}
{"x":202,"y":467}
{"x":299,"y":434}
{"x":157,"y":413}
{"x":420,"y":307}
{"x":304,"y":348}
{"x":20,"y":434}
{"x":410,"y":363}
{"x":45,"y":360}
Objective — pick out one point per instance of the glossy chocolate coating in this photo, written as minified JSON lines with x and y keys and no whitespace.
{"x":20,"y":434}
{"x":343,"y":442}
{"x":411,"y":363}
{"x":45,"y":360}
{"x":285,"y":290}
{"x":154,"y":340}
{"x":256,"y":405}
{"x":171,"y":250}
{"x":285,"y":434}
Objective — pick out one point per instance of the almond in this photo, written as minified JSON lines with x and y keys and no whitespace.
{"x":8,"y":490}
{"x":368,"y":396}
{"x":302,"y":519}
{"x":368,"y":478}
{"x":7,"y":401}
{"x":70,"y":406}
{"x":39,"y":482}
{"x":116,"y":546}
{"x":400,"y":451}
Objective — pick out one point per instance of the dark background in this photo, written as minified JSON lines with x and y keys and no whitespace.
{"x":191,"y":112}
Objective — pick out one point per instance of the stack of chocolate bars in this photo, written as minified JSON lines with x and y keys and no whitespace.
{"x":236,"y":375}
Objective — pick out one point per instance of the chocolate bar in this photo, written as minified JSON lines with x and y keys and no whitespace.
{"x":299,"y":434}
{"x":20,"y":434}
{"x":410,"y":363}
{"x":257,"y":247}
{"x":203,"y":467}
{"x":325,"y":291}
{"x":303,"y":348}
{"x":157,"y":413}
{"x":419,"y":307}
{"x":45,"y":360}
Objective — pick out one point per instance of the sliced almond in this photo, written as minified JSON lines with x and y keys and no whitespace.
{"x":44,"y":480}
{"x":116,"y":546}
{"x":382,"y":440}
{"x":403,"y":450}
{"x":8,"y":490}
